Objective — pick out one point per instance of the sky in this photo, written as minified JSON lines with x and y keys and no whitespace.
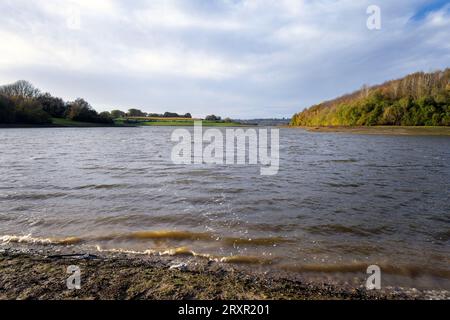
{"x":233,"y":58}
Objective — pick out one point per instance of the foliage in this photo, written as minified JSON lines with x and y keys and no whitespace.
{"x":213,"y":118}
{"x":56,"y":107}
{"x":81,"y":110}
{"x":7,"y":110}
{"x":20,"y":89}
{"x":117,"y":114}
{"x":30,"y":111}
{"x":419,"y":99}
{"x":136,"y":113}
{"x":21,"y":102}
{"x":105,"y":117}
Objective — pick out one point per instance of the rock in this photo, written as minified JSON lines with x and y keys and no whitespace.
{"x":179,"y":266}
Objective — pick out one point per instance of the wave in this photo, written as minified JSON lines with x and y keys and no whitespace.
{"x":175,"y":235}
{"x":101,"y":186}
{"x":33,"y":196}
{"x":170,"y":251}
{"x":411,"y":271}
{"x":257,"y":241}
{"x":343,"y":185}
{"x":156,"y":235}
{"x":34,"y":240}
{"x":185,"y":251}
{"x":245,"y":260}
{"x":327,"y":229}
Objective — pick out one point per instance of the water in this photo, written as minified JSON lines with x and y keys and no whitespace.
{"x":338,"y":204}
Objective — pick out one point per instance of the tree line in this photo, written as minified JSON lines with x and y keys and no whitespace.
{"x":21,"y":102}
{"x":138,"y":113}
{"x":419,"y":99}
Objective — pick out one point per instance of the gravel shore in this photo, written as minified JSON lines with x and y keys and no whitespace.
{"x":39,"y":274}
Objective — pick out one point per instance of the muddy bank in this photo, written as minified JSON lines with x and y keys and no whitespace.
{"x":385,"y":130}
{"x":37,"y":274}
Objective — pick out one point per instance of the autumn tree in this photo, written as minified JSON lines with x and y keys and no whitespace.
{"x":21,"y":89}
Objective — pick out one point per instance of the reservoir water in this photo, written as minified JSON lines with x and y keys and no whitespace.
{"x":338,"y":204}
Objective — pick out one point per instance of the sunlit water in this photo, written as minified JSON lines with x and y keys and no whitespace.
{"x":338,"y":204}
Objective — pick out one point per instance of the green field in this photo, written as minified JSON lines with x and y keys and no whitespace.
{"x":177,"y":122}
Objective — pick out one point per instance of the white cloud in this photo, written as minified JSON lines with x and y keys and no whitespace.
{"x":18,"y":52}
{"x":439,"y":18}
{"x":180,"y":62}
{"x":168,"y":14}
{"x":86,"y":7}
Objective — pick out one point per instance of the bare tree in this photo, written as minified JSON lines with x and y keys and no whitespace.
{"x":21,"y":88}
{"x":365,"y":91}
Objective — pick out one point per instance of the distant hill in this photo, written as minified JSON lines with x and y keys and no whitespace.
{"x":419,"y":99}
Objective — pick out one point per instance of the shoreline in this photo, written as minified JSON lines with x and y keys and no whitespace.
{"x":381,"y":130}
{"x":64,"y":123}
{"x":40,"y":273}
{"x":93,"y":125}
{"x":47,"y":126}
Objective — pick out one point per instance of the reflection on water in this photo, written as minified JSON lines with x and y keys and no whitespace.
{"x":339,"y":202}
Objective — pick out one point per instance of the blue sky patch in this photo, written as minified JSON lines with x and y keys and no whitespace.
{"x":428,"y":8}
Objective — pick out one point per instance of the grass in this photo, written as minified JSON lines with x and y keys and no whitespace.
{"x":161,"y":118}
{"x":189,"y":123}
{"x":142,"y":121}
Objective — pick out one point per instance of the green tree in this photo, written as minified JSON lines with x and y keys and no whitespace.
{"x":213,"y":118}
{"x":171,"y":115}
{"x":56,"y":107}
{"x":136,"y":113}
{"x":105,"y":117}
{"x":415,"y":100}
{"x":81,"y":110}
{"x":117,"y":114}
{"x":30,"y":111}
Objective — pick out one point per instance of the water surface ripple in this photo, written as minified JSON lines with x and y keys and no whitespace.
{"x":339,"y":203}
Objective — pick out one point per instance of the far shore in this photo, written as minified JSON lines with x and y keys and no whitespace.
{"x":383,"y":130}
{"x":65,"y":123}
{"x":41,"y":274}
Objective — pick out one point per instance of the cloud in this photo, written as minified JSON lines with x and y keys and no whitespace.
{"x":236,"y":58}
